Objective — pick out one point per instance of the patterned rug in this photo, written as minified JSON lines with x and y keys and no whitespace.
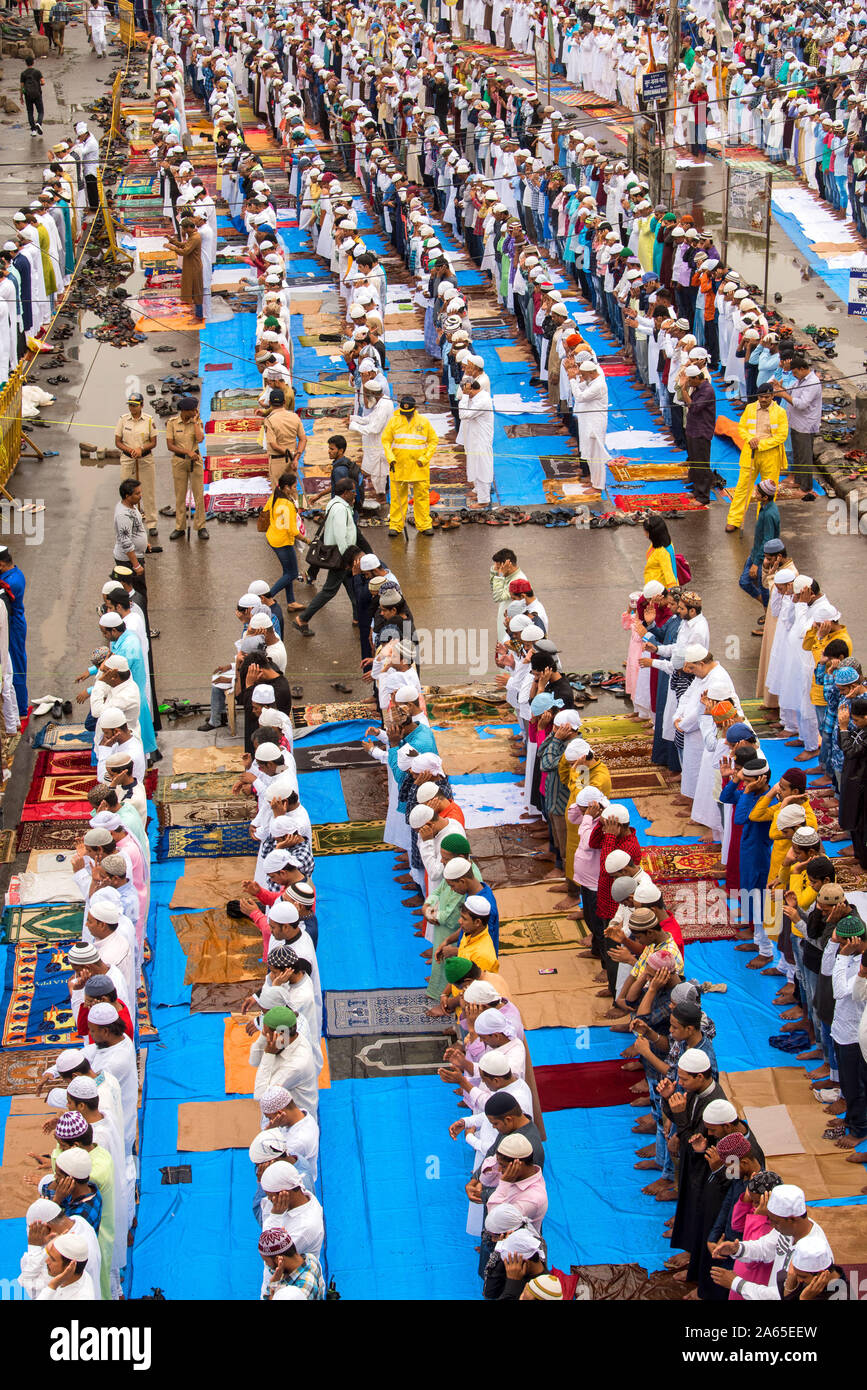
{"x":41,"y":924}
{"x":335,"y":755}
{"x":8,"y":845}
{"x":69,"y":736}
{"x":639,"y":781}
{"x":56,"y":798}
{"x":197,"y":786}
{"x":658,"y":502}
{"x":628,"y":753}
{"x":203,"y":813}
{"x":369,"y":1056}
{"x":72,"y":762}
{"x":50,"y":834}
{"x":681,"y":863}
{"x":646,"y":473}
{"x":389,"y":1011}
{"x":337,"y":713}
{"x":612,"y":728}
{"x":353,"y":837}
{"x":759,"y":719}
{"x":540,"y":934}
{"x":203,"y":842}
{"x":35,"y":1004}
{"x":850,"y":874}
{"x":701,"y":910}
{"x":21,"y":1072}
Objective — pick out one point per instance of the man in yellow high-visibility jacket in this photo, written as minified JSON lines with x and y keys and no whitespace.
{"x":409,"y":442}
{"x":764,"y":428}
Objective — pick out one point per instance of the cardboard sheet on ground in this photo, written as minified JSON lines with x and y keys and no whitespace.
{"x":210,"y":883}
{"x":463,"y":751}
{"x":566,"y":999}
{"x":530,"y":899}
{"x":219,"y":949}
{"x":816,"y":1164}
{"x":846,"y":1230}
{"x":23,"y":1133}
{"x":207,"y":760}
{"x":204,"y":1126}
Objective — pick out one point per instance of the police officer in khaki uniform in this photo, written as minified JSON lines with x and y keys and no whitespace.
{"x":285,"y":438}
{"x":184,"y":434}
{"x":136,"y":438}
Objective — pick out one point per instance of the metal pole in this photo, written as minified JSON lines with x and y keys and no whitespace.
{"x":724,"y":246}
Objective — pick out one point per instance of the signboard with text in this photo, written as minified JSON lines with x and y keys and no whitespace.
{"x":654,"y":85}
{"x":858,"y":293}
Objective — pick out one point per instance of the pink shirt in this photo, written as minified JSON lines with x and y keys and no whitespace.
{"x":585,"y":869}
{"x":530,"y":1196}
{"x":752,"y":1226}
{"x":476,"y":1049}
{"x":131,"y":850}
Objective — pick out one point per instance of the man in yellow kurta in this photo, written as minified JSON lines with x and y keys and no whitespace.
{"x":409,"y":442}
{"x":764,"y":427}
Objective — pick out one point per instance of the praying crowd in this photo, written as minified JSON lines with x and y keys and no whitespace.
{"x":438,"y":146}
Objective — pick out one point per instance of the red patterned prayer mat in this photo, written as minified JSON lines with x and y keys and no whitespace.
{"x":583,"y":1085}
{"x":701,"y":910}
{"x":56,"y":763}
{"x":681,"y":863}
{"x":658,"y":502}
{"x":58,"y":835}
{"x":57,"y":798}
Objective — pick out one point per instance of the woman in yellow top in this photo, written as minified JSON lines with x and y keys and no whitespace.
{"x":580,"y":767}
{"x":659,"y":563}
{"x":282,"y":529}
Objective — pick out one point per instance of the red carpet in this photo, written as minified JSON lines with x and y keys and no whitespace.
{"x":658,"y":502}
{"x":582,"y":1085}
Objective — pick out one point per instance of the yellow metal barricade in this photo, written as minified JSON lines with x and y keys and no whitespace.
{"x":10,"y":425}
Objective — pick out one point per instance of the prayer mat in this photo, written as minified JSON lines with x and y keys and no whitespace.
{"x":759,"y":719}
{"x":373,"y":1056}
{"x":218,"y":473}
{"x":57,"y":798}
{"x":551,"y":933}
{"x":207,"y":1125}
{"x":514,"y":354}
{"x":668,"y":818}
{"x":627,"y":1283}
{"x":203,"y":812}
{"x":502,"y":871}
{"x":457,"y":704}
{"x":353,"y":837}
{"x":312,"y":758}
{"x":197,"y":787}
{"x":600,"y":728}
{"x":727,"y":428}
{"x":569,"y":492}
{"x":42,"y":925}
{"x":219,"y":949}
{"x":70,"y":736}
{"x":658,"y":502}
{"x":203,"y":841}
{"x":210,"y":759}
{"x":626,"y":754}
{"x":365,"y":791}
{"x":337,"y":387}
{"x":681,"y":863}
{"x":55,"y":764}
{"x":850,"y":875}
{"x":584,"y":1085}
{"x":59,"y":835}
{"x":222,"y":999}
{"x":240,"y":1077}
{"x":21,"y":1072}
{"x":645,"y":473}
{"x":646,"y":781}
{"x":701,"y":910}
{"x":337,"y":713}
{"x":35,"y":1003}
{"x":8,"y":846}
{"x":233,"y":424}
{"x":379,"y":1011}
{"x":211,"y":883}
{"x":22,"y":1136}
{"x":533,"y":429}
{"x":564,"y":999}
